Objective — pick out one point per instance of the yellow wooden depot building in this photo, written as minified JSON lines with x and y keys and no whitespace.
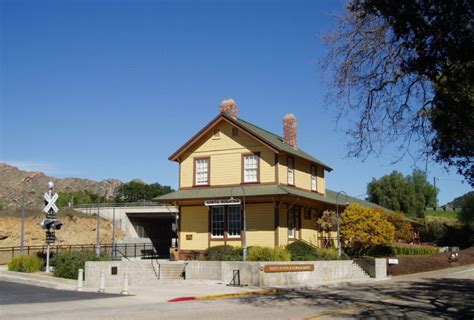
{"x":281,"y":187}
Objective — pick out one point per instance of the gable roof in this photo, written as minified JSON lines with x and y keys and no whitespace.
{"x":269,"y":139}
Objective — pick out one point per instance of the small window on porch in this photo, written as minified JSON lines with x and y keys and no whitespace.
{"x":292,"y":223}
{"x":234,"y":221}
{"x":217,"y":222}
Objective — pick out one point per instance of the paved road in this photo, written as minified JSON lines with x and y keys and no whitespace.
{"x":442,"y":294}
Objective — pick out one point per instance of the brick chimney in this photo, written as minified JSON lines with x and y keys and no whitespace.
{"x":290,"y":130}
{"x":229,"y":106}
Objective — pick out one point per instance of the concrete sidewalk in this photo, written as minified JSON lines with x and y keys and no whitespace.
{"x":155,"y":291}
{"x":165,"y":290}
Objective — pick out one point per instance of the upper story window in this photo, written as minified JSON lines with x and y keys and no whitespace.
{"x":291,"y":171}
{"x":251,"y":168}
{"x":201,"y":171}
{"x":314,"y":182}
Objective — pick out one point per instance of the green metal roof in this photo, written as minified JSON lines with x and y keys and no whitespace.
{"x":260,"y":190}
{"x":277,"y":141}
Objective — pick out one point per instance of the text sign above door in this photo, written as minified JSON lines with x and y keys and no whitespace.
{"x":224,"y":202}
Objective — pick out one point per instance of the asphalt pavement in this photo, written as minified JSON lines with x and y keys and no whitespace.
{"x":447,"y":294}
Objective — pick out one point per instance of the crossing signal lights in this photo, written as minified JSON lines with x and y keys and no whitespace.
{"x":51,"y":224}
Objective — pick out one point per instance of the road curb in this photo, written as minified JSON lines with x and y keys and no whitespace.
{"x":228,"y":295}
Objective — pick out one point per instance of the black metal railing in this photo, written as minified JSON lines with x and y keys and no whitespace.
{"x":119,"y":250}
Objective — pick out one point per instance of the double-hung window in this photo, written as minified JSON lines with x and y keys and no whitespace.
{"x":226,"y":221}
{"x":217,"y":222}
{"x":202,"y":171}
{"x":292,"y":223}
{"x":314,"y":182}
{"x":251,"y":168}
{"x":234,"y":221}
{"x":291,"y":171}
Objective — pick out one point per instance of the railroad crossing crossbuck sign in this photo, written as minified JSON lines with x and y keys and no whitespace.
{"x":50,"y":224}
{"x":50,"y":203}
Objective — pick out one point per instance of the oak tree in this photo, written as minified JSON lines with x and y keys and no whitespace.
{"x":404,"y":71}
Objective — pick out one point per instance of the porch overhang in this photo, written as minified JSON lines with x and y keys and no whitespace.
{"x":197,"y":196}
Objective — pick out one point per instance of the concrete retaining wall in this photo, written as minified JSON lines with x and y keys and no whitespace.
{"x":251,"y":273}
{"x":139,"y":271}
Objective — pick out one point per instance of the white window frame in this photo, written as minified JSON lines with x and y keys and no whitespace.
{"x":229,"y":221}
{"x":255,"y":167}
{"x":292,"y":217}
{"x":222,"y":222}
{"x":199,"y":167}
{"x":291,"y":171}
{"x":314,"y":178}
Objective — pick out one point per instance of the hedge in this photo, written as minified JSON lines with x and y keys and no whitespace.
{"x":223,"y":253}
{"x":401,"y":251}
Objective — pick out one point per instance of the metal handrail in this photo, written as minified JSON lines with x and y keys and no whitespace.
{"x":120,"y":248}
{"x":121,"y":253}
{"x":157,"y":273}
{"x":119,"y":204}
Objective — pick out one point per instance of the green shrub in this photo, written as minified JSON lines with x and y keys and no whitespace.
{"x":67,"y":264}
{"x":301,"y":251}
{"x":25,"y":264}
{"x":390,"y":251}
{"x":223,"y":253}
{"x":268,"y":254}
{"x":433,"y":231}
{"x":400,"y":251}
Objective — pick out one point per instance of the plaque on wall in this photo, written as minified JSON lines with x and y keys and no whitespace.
{"x":269,"y":268}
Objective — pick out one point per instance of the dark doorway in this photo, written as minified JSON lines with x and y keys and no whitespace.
{"x":159,"y":229}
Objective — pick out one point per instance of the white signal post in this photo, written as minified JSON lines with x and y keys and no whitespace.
{"x":50,"y":209}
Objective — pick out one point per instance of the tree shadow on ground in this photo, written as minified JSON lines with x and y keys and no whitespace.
{"x":444,"y":298}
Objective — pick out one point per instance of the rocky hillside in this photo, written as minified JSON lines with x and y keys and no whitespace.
{"x":77,"y":229}
{"x":11,"y":186}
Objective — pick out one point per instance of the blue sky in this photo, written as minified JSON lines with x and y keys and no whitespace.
{"x":109,"y":89}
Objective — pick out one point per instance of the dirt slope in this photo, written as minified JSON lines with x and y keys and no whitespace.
{"x":77,"y":229}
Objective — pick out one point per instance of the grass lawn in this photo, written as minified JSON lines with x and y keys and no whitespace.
{"x":443,"y":214}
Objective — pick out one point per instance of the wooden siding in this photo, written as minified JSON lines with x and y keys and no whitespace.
{"x":226,"y":158}
{"x":308,"y":229}
{"x":194,"y":222}
{"x":260,"y":225}
{"x":283,"y":230}
{"x":302,"y":174}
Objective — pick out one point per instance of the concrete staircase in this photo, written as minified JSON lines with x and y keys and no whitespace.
{"x":171,"y":270}
{"x":358,"y":272}
{"x":147,"y":271}
{"x":141,"y":272}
